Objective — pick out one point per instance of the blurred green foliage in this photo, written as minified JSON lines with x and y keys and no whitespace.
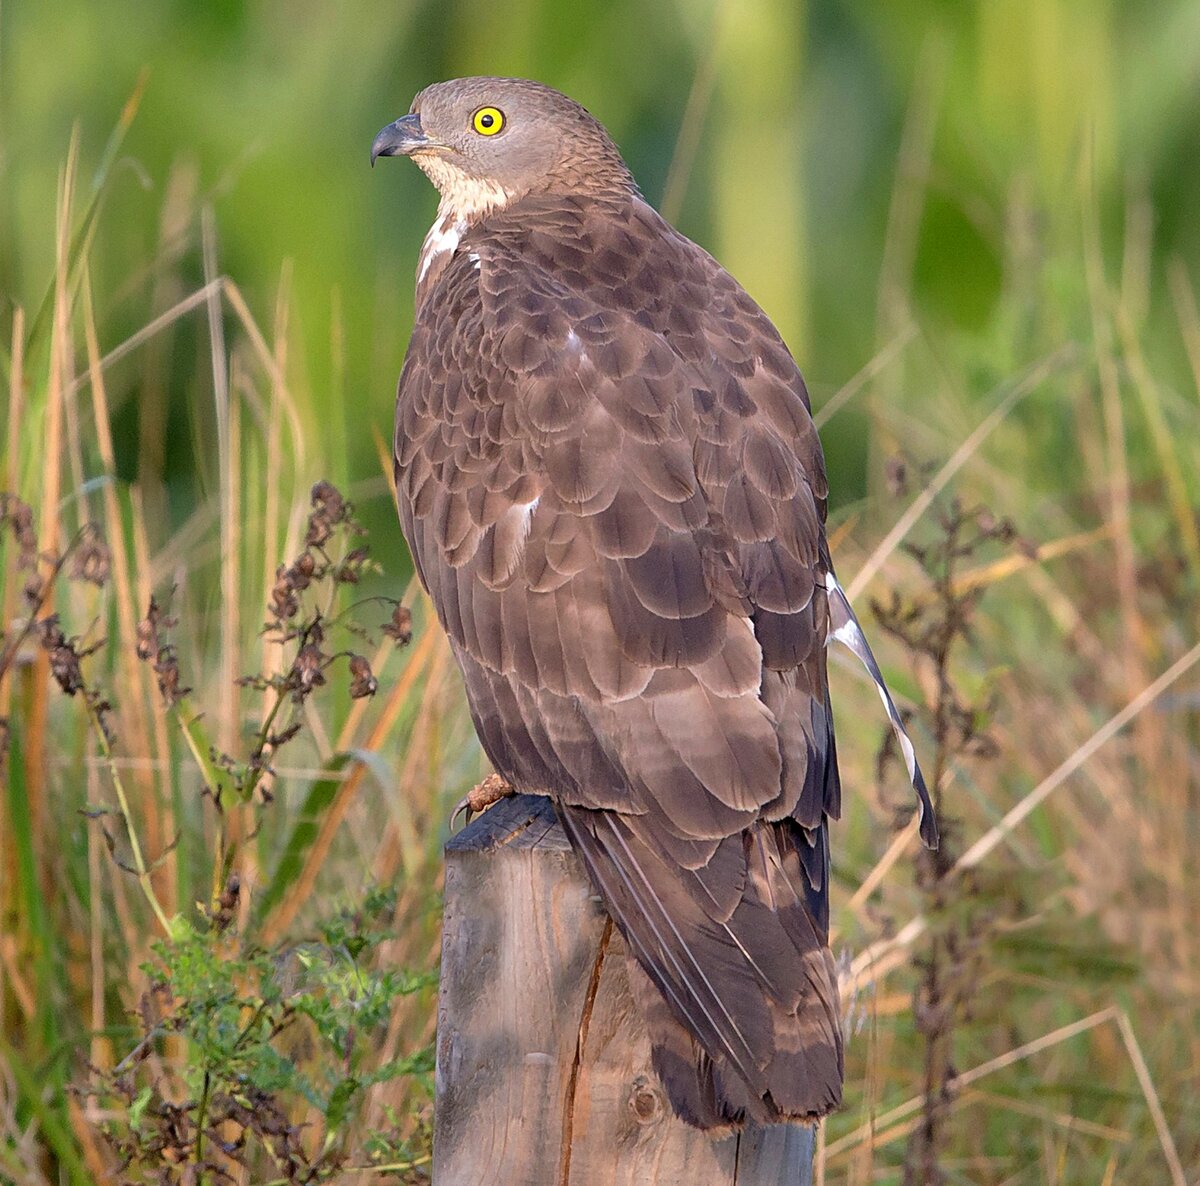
{"x":845,"y":150}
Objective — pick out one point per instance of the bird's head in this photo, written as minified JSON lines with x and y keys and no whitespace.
{"x":486,"y":142}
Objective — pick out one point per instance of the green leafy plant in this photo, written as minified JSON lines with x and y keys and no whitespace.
{"x":261,"y":1030}
{"x":235,"y":1039}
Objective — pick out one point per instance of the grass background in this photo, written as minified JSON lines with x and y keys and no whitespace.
{"x":973,"y":222}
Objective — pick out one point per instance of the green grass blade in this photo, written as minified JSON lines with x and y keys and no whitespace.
{"x":304,"y":831}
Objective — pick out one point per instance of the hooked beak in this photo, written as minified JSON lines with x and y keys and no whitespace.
{"x":402,"y":138}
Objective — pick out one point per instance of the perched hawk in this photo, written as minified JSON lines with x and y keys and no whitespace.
{"x":614,"y":493}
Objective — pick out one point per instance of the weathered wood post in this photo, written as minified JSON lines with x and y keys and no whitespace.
{"x":543,"y":1066}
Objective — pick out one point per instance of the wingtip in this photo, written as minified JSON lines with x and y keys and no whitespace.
{"x":848,"y":632}
{"x":929,"y":832}
{"x":929,"y":829}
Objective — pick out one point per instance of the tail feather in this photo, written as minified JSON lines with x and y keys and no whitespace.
{"x":688,"y":1074}
{"x":745,"y":1022}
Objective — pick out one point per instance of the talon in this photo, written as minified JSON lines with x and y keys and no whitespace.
{"x":480,"y":798}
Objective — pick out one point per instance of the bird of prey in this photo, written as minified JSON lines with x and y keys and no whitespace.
{"x":610,"y":481}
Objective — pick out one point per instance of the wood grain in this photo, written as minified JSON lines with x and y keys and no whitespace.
{"x":543,"y":1066}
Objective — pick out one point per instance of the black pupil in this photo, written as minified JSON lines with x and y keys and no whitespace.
{"x":486,"y":121}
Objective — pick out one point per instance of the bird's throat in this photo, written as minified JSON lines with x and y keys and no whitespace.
{"x":463,"y":198}
{"x":464,"y":201}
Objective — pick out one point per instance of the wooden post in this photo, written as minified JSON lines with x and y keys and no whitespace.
{"x":543,"y":1066}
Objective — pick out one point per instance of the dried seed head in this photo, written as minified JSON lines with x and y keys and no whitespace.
{"x":91,"y":560}
{"x":64,"y":658}
{"x":227,"y":902}
{"x":33,"y":589}
{"x":147,"y":630}
{"x":362,"y":682}
{"x":318,"y":532}
{"x":275,"y":740}
{"x":102,"y":708}
{"x":150,"y":646}
{"x":64,"y":666}
{"x":327,"y":498}
{"x":147,"y":639}
{"x":351,"y":567}
{"x":18,"y":516}
{"x":329,"y":509}
{"x":285,"y":603}
{"x":307,"y":672}
{"x":303,"y":569}
{"x":166,"y":668}
{"x":399,"y":629}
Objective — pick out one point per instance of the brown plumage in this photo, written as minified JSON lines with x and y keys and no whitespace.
{"x":614,"y":493}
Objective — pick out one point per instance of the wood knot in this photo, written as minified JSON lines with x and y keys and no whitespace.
{"x":645,"y":1101}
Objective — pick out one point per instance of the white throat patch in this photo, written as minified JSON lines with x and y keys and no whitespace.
{"x":443,"y":238}
{"x":464,"y":200}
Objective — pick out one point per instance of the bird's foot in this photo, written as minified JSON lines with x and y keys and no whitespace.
{"x":491,"y":790}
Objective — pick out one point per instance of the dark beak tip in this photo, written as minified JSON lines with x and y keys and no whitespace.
{"x":399,"y":138}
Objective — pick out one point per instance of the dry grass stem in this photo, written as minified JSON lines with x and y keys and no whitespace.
{"x":1033,"y":377}
{"x":872,"y":963}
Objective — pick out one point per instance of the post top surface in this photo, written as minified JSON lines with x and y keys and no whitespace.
{"x":521,"y":821}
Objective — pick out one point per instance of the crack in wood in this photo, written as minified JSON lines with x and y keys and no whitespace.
{"x":585,"y":1019}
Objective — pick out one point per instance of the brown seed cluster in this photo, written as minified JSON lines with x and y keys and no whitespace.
{"x":293,"y":619}
{"x":362,"y":681}
{"x":290,"y":581}
{"x":227,"y":902}
{"x":151,"y":646}
{"x":64,"y":655}
{"x":86,"y":559}
{"x":330,"y":512}
{"x":329,"y":509}
{"x":399,"y":628}
{"x":91,"y":560}
{"x":308,"y":671}
{"x":66,"y":666}
{"x":17,"y":516}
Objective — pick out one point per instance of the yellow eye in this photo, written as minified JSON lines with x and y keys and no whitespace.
{"x":487,"y":121}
